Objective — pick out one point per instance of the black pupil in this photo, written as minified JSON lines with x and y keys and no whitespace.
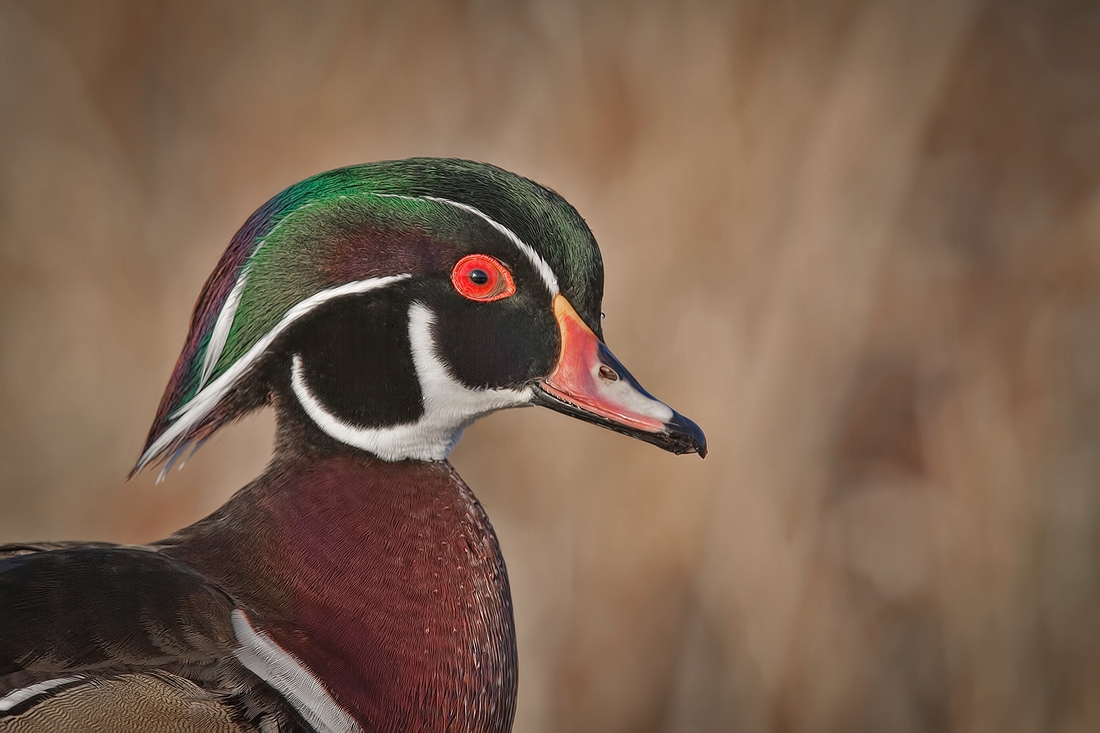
{"x":479,"y":277}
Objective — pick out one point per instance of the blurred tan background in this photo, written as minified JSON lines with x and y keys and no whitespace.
{"x":858,"y":242}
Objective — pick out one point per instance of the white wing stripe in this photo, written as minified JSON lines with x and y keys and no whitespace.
{"x":280,"y":669}
{"x":17,"y":697}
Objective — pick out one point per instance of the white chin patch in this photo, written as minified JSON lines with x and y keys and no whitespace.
{"x":449,"y":405}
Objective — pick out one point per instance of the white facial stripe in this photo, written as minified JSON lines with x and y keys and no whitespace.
{"x":222,"y":326}
{"x":224,"y":322}
{"x":210,"y":394}
{"x":290,"y":678}
{"x":449,"y":406}
{"x":207,"y":398}
{"x":540,"y":264}
{"x":20,"y":696}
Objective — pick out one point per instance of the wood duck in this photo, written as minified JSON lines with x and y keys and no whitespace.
{"x":356,"y":585}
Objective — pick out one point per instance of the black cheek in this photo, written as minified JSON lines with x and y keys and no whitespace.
{"x":499,"y":344}
{"x":358,"y":361}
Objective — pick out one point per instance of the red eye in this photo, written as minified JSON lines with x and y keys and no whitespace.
{"x":482,"y":278}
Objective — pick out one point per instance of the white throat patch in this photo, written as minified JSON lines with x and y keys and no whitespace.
{"x":449,"y":405}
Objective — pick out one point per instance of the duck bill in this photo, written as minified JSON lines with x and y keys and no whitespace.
{"x":591,"y":384}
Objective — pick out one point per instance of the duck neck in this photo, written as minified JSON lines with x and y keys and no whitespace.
{"x":384,"y":579}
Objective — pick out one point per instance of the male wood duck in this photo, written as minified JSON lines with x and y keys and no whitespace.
{"x":357,"y":584}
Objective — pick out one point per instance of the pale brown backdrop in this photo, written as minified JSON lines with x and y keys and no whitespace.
{"x":859,"y":242}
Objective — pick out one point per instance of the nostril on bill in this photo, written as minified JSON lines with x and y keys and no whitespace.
{"x":608,"y":373}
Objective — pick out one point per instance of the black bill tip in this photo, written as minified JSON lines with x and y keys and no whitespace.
{"x":687,"y":436}
{"x":679,"y":435}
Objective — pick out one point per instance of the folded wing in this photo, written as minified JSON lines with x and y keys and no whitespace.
{"x":103,"y":637}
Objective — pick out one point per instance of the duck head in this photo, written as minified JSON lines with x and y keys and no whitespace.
{"x":386,"y":306}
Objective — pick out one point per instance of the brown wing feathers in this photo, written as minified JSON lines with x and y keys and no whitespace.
{"x":101,"y":637}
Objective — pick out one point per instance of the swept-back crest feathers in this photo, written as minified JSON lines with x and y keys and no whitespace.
{"x":352,"y":230}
